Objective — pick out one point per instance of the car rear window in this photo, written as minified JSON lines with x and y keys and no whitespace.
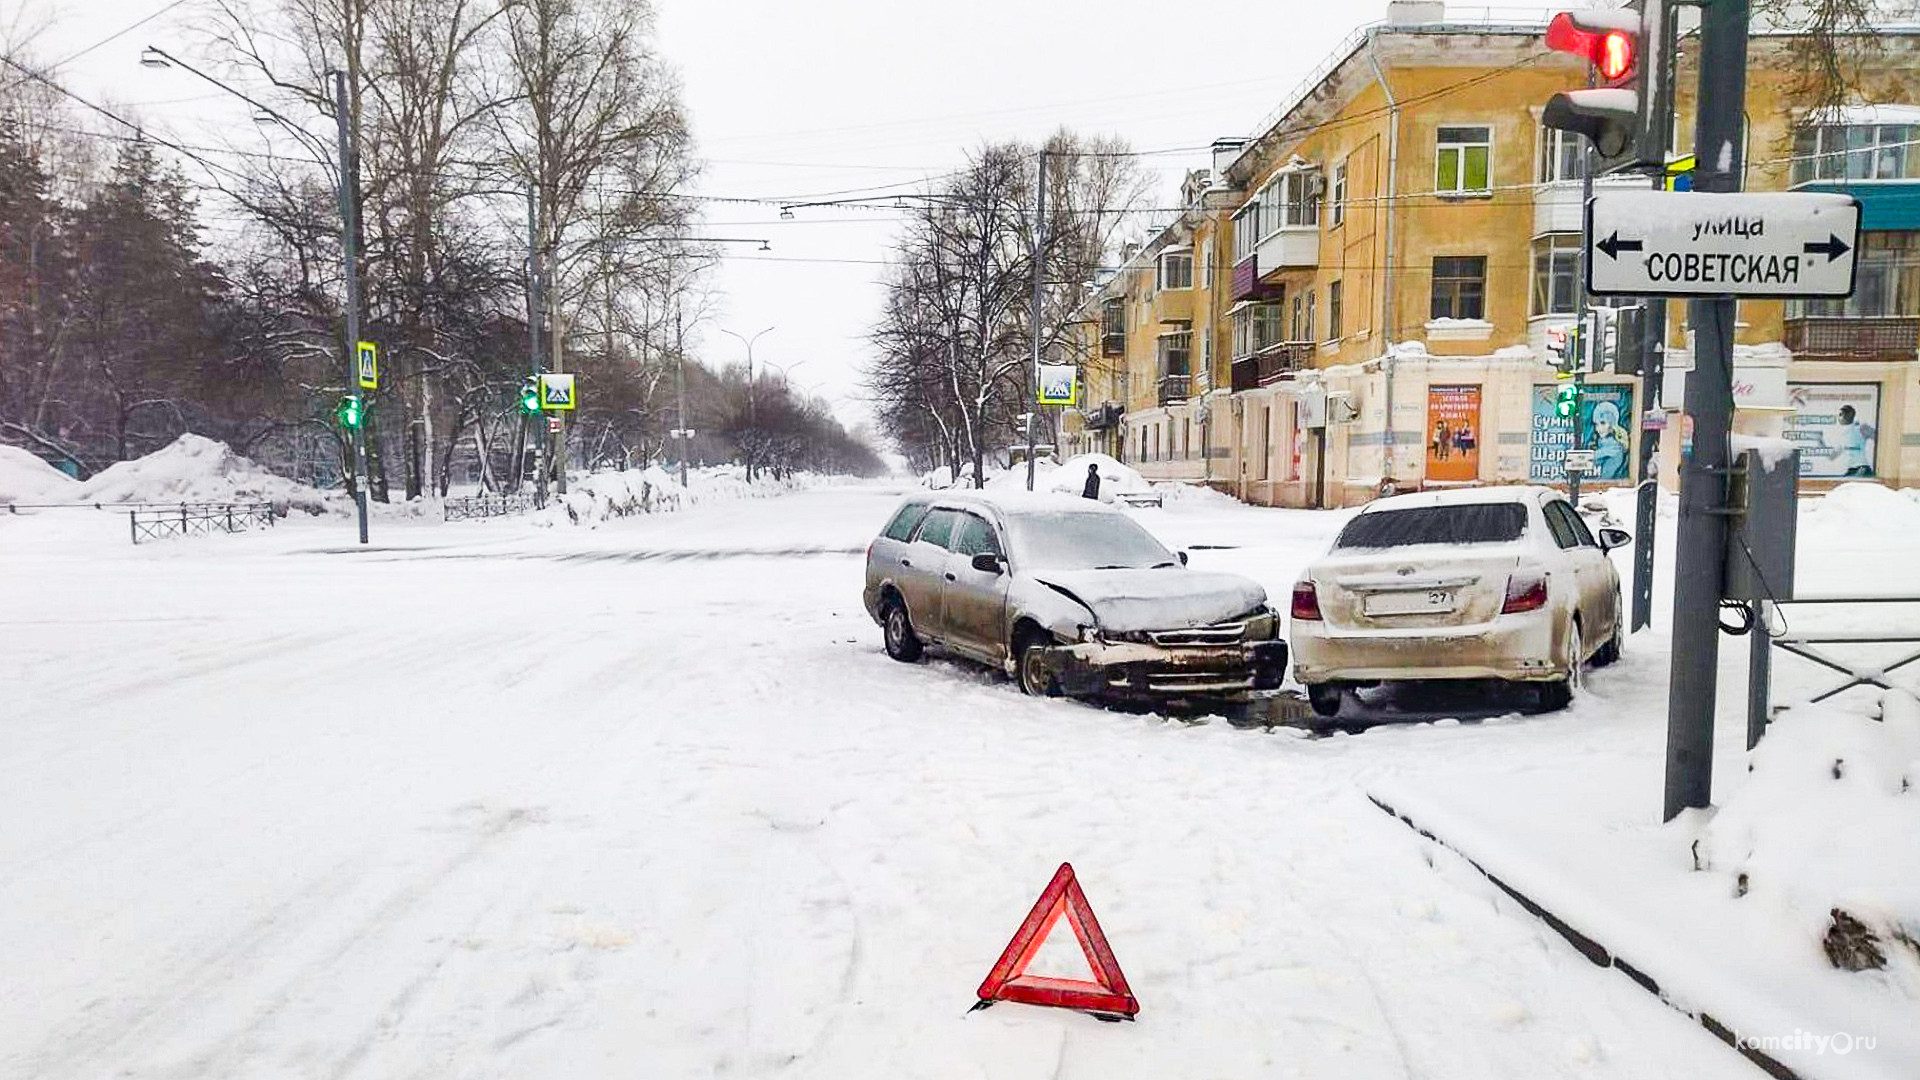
{"x":904,"y":519}
{"x":1466,"y":523}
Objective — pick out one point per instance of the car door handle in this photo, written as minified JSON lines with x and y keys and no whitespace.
{"x":950,"y":577}
{"x":904,"y":561}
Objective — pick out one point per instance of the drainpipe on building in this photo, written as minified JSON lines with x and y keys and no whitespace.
{"x":1386,"y":290}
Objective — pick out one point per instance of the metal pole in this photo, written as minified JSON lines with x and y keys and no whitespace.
{"x":535,"y":359}
{"x":1039,"y":259}
{"x":1759,"y":671}
{"x":350,"y":259}
{"x":1653,"y":354}
{"x":1702,"y":540}
{"x":1585,"y":354}
{"x":680,"y":388}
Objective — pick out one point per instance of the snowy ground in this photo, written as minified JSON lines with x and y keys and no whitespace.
{"x":493,"y":800}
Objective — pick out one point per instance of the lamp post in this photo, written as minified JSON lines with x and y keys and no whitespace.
{"x":753,"y":411}
{"x":155,"y":57}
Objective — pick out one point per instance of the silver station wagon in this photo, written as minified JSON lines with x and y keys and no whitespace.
{"x":1069,"y":596}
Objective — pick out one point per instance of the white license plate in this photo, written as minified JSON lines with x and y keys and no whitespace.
{"x":1410,"y":602}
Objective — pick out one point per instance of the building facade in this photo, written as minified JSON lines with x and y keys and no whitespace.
{"x":1361,"y":297}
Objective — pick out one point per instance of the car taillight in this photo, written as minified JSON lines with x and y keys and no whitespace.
{"x":1526,"y":591}
{"x":1306,"y":602}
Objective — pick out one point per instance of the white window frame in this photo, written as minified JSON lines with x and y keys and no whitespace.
{"x":1557,"y":247}
{"x":1205,"y":260}
{"x":1550,"y":149}
{"x":1460,"y":171}
{"x":1163,"y":281}
{"x":1336,"y":305}
{"x":1338,"y":194}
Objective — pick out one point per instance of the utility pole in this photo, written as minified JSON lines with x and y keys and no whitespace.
{"x":350,"y":257}
{"x":1582,"y":313}
{"x":533,"y":342}
{"x":1653,"y":352}
{"x":1701,"y":543}
{"x":680,"y":388}
{"x":1039,"y":259}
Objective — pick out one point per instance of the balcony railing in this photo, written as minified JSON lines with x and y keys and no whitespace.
{"x":1271,"y":363}
{"x":1113,"y":344}
{"x":1174,"y":388}
{"x":1889,"y":337}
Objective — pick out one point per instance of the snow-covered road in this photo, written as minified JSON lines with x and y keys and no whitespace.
{"x":490,"y":800}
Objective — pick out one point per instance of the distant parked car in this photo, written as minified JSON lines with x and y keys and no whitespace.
{"x":1503,"y":583}
{"x":1069,"y":596}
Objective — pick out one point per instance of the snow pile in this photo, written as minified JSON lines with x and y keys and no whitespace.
{"x":1860,"y":516}
{"x":195,"y":469}
{"x":1115,"y":478}
{"x":944,"y":477}
{"x":595,"y":497}
{"x":1825,"y":835}
{"x":1015,"y":478}
{"x":26,"y":478}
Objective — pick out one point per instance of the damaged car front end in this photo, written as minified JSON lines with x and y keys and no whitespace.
{"x":1222,"y":660}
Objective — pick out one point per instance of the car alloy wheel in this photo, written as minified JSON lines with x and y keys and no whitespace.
{"x":1034,"y":678}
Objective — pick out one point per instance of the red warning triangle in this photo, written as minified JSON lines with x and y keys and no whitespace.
{"x":1008,"y":981}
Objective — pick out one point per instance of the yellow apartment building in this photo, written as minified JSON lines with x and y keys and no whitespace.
{"x":1360,"y":298}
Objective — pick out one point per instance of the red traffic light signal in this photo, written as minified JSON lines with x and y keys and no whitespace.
{"x":1613,"y":50}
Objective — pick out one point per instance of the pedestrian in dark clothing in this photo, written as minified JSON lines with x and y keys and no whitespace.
{"x":1092,"y":490}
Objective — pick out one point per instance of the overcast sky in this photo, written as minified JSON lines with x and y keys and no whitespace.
{"x":789,"y":99}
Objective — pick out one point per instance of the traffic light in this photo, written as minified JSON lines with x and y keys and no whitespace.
{"x":1620,"y":117}
{"x":530,"y":394}
{"x":349,"y":412}
{"x":1567,"y":357}
{"x":1567,"y":401}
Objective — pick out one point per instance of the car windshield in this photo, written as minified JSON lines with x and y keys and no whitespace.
{"x":1464,"y":523}
{"x":1084,"y":541}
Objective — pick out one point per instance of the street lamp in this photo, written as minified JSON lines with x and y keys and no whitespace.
{"x":155,"y":57}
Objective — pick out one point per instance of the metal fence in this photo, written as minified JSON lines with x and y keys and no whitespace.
{"x":476,"y":507}
{"x":1820,"y":646}
{"x":159,"y":523}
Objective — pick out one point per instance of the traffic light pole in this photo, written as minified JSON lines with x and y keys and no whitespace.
{"x":350,"y":258}
{"x":1653,"y":351}
{"x":1039,"y":260}
{"x":1701,"y":543}
{"x":539,"y":423}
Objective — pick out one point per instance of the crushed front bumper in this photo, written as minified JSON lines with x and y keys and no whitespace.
{"x":1137,"y":670}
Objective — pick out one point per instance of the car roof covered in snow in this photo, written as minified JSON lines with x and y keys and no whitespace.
{"x":1473,"y":496}
{"x":1019,"y":502}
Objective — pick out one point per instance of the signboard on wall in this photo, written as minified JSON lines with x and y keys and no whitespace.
{"x":1453,"y":433}
{"x":1598,"y":424}
{"x":1836,"y":427}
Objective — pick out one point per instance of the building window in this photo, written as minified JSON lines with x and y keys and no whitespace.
{"x":1297,"y":324}
{"x":1113,"y":327}
{"x":1246,"y":231}
{"x":1206,"y":263}
{"x":1556,"y":274}
{"x":1461,"y":159}
{"x":1256,"y":327}
{"x":1302,"y":200}
{"x":1459,"y":287}
{"x":1854,"y":152}
{"x":1186,"y":437}
{"x":1560,"y":155}
{"x":1333,"y":312}
{"x":1886,"y":282}
{"x":1340,"y":193}
{"x":1206,"y":352}
{"x":1310,"y":335}
{"x":1176,"y":352}
{"x":1176,"y":269}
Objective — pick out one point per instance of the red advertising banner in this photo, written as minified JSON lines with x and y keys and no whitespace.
{"x":1453,"y":433}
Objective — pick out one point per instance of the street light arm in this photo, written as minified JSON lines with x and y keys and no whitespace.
{"x":306,"y":137}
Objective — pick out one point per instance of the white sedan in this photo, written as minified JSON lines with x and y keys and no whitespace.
{"x":1504,"y":583}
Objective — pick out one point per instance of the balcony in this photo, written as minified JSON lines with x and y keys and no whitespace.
{"x":1174,"y":388}
{"x":1290,"y":247}
{"x":1113,"y":344}
{"x":1102,"y":416}
{"x":1893,"y":337}
{"x":1271,"y":363}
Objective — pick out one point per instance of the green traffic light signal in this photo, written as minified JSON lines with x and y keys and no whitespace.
{"x":530,"y":396}
{"x":349,"y":412}
{"x":1567,"y":401}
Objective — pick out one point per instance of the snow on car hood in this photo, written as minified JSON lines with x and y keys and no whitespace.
{"x":1164,"y":599}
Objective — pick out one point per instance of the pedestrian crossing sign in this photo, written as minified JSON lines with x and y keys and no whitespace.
{"x":556,"y":392}
{"x":366,"y":357}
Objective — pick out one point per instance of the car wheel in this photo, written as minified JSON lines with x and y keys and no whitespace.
{"x":1035,"y":679}
{"x":1559,"y":693}
{"x":1610,"y":652}
{"x":902,"y":643}
{"x":1325,"y":698}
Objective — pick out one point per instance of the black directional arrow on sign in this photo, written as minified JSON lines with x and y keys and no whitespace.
{"x":1612,"y":246}
{"x":1832,"y":248}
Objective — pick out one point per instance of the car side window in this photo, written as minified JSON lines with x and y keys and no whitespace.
{"x":904,"y":519}
{"x":1580,"y":528}
{"x":975,"y":537}
{"x":937,"y":529}
{"x":1557,"y":523}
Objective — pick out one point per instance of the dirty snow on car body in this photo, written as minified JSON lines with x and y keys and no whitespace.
{"x":648,"y":800}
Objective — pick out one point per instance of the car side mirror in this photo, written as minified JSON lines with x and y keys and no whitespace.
{"x":1183,"y":558}
{"x":1613,"y":538}
{"x":987,"y":562}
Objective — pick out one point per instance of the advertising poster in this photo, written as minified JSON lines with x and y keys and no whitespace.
{"x":1599,"y":425}
{"x":1453,"y":433}
{"x":1835,"y":426}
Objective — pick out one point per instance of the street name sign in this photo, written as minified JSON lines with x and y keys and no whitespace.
{"x":1744,"y":244}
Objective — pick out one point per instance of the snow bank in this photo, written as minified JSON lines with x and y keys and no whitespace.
{"x":595,"y":497}
{"x":1860,"y":516}
{"x":197,"y":469}
{"x":1115,"y":478}
{"x":1823,"y":832}
{"x":26,"y":478}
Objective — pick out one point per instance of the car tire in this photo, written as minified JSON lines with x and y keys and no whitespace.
{"x":902,"y":643}
{"x":1033,"y":681}
{"x":1559,"y":694}
{"x":1617,"y":644}
{"x":1325,"y":698}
